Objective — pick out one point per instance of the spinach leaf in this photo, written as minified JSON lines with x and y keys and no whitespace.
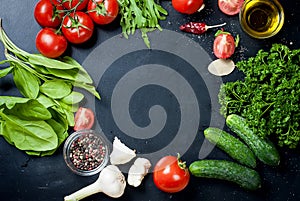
{"x":68,"y":107}
{"x":56,"y":88}
{"x":62,"y":134}
{"x":73,"y":98}
{"x":11,"y":101}
{"x":45,"y":101}
{"x":89,"y":88}
{"x":31,"y":110}
{"x":40,"y":60}
{"x":29,"y":135}
{"x":74,"y":75}
{"x":5,"y":71}
{"x":26,"y":82}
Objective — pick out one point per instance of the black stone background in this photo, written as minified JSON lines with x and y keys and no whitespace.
{"x":26,"y":178}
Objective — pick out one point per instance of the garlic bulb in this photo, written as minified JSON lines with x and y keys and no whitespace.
{"x":111,"y":182}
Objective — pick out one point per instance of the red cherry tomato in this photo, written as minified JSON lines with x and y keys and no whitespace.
{"x":78,"y":27}
{"x":69,"y":4}
{"x":50,"y":44}
{"x":187,"y":6}
{"x":103,"y":12}
{"x":224,"y":45}
{"x":170,"y":174}
{"x":230,"y":7}
{"x":84,"y":119}
{"x":48,"y":13}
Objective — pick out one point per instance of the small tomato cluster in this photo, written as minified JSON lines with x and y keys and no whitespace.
{"x":65,"y":21}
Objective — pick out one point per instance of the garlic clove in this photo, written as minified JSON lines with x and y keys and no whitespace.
{"x":138,"y":171}
{"x":121,"y":154}
{"x":221,"y":67}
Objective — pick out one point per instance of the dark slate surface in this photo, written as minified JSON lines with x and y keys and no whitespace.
{"x":27,"y":178}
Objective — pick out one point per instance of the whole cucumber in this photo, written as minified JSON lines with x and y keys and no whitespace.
{"x":264,"y":150}
{"x":245,"y":177}
{"x":231,"y":145}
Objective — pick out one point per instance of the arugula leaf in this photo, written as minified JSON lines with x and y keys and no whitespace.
{"x":140,"y":14}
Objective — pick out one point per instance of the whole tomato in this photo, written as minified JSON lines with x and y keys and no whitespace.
{"x":50,"y":44}
{"x":69,"y":4}
{"x":170,"y":174}
{"x":77,"y":27}
{"x":103,"y":11}
{"x":48,"y":13}
{"x":187,"y":6}
{"x":84,"y":119}
{"x":224,"y":45}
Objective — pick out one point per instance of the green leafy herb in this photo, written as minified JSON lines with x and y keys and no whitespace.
{"x":38,"y":122}
{"x":140,"y":14}
{"x":269,"y":95}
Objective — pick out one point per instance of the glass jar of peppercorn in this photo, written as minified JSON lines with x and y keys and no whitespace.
{"x":86,"y":152}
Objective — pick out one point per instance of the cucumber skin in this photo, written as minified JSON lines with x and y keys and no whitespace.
{"x":243,"y":176}
{"x":264,"y":150}
{"x":231,"y":145}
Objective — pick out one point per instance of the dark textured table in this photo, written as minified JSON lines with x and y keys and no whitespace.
{"x":27,"y":178}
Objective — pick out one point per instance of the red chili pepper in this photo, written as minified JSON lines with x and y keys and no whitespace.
{"x":197,"y":27}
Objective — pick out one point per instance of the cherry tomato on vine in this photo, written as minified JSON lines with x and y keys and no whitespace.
{"x":224,"y":45}
{"x":187,"y":6}
{"x":230,"y":7}
{"x":170,"y":174}
{"x":69,"y":4}
{"x":102,"y":11}
{"x":50,"y":44}
{"x":84,"y":119}
{"x":78,"y":27}
{"x":48,"y":13}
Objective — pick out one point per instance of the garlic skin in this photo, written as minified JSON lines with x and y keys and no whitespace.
{"x":121,"y":154}
{"x":111,"y":182}
{"x":138,"y":171}
{"x":221,"y":67}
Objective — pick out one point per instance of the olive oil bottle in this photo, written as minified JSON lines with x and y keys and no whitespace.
{"x":261,"y":18}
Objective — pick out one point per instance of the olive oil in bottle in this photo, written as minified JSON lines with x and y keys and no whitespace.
{"x":261,"y":18}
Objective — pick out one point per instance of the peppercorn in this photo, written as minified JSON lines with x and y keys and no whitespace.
{"x":87,"y":152}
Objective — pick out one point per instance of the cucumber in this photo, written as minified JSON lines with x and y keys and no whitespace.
{"x":231,"y":145}
{"x":243,"y":176}
{"x":264,"y":150}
